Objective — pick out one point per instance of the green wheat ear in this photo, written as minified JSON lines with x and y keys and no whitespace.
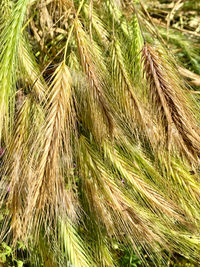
{"x":137,"y":43}
{"x":9,"y":44}
{"x":73,"y":246}
{"x":30,"y":72}
{"x":191,"y":55}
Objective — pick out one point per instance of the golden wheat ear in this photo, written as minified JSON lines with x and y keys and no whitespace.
{"x":171,"y":102}
{"x":94,"y":77}
{"x":40,"y":179}
{"x":53,"y":146}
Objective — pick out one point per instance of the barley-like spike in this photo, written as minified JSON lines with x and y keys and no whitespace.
{"x":73,"y":247}
{"x":170,"y":101}
{"x":42,"y":175}
{"x":30,"y":68}
{"x":9,"y":44}
{"x":89,"y":68}
{"x":150,"y":229}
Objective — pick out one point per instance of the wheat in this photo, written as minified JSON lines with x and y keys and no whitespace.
{"x":73,"y":246}
{"x":30,"y":70}
{"x":9,"y":43}
{"x":42,"y":173}
{"x":93,"y":78}
{"x":170,"y":102}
